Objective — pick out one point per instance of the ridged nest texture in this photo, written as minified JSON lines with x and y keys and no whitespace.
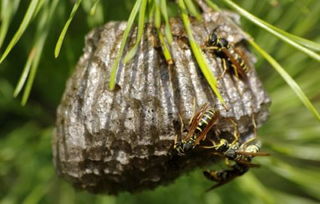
{"x":122,"y":140}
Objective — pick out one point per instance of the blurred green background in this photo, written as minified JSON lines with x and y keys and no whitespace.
{"x":291,"y":135}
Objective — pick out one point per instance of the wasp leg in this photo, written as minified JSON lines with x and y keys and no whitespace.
{"x":227,"y":162}
{"x":236,"y":133}
{"x":181,"y":126}
{"x":217,"y":154}
{"x":181,"y":122}
{"x":207,"y":147}
{"x":211,"y":48}
{"x":178,"y":138}
{"x":254,"y":126}
{"x":236,"y":136}
{"x":254,"y":133}
{"x":213,"y":146}
{"x":225,"y":68}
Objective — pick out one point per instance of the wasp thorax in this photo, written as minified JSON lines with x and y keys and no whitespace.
{"x":184,"y":147}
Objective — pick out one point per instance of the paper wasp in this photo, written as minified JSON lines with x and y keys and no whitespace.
{"x":202,"y":122}
{"x":236,"y":152}
{"x":242,"y":156}
{"x":200,"y":125}
{"x":224,"y":176}
{"x":233,"y":59}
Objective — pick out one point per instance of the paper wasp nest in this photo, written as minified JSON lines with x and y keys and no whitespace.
{"x":112,"y":141}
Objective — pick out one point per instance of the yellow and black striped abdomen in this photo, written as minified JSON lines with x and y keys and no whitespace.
{"x":205,"y":120}
{"x":243,"y":64}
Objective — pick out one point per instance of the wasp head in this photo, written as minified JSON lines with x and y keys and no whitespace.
{"x":232,"y":150}
{"x":213,"y":40}
{"x":184,"y":147}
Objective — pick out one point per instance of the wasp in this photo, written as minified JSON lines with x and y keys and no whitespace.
{"x":224,"y":176}
{"x":201,"y":123}
{"x":233,"y":59}
{"x":240,"y":167}
{"x":238,"y":153}
{"x":242,"y":155}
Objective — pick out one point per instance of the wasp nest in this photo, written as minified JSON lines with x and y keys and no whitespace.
{"x":122,"y":140}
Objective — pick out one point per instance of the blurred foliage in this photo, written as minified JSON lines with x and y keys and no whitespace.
{"x":290,"y":175}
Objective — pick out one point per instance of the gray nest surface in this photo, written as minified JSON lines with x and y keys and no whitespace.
{"x":122,"y":140}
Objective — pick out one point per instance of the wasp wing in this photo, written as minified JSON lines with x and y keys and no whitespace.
{"x":211,"y":123}
{"x":195,"y":121}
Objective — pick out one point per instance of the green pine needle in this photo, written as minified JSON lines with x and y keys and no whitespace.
{"x":25,"y":73}
{"x":35,"y":62}
{"x":214,"y":6}
{"x":94,"y":7}
{"x":157,"y":14}
{"x":160,"y":8}
{"x":290,"y":39}
{"x":251,"y":184}
{"x":294,"y":86}
{"x":132,"y":52}
{"x":115,"y":66}
{"x":8,"y":9}
{"x":163,"y":8}
{"x":23,"y":26}
{"x":192,"y":9}
{"x":302,"y":41}
{"x":29,"y":72}
{"x":165,"y":49}
{"x":307,"y":179}
{"x":306,"y":152}
{"x":202,"y":62}
{"x":65,"y":29}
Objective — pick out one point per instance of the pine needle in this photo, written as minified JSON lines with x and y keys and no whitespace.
{"x":201,"y":60}
{"x":23,"y":26}
{"x":65,"y":29}
{"x":291,"y":82}
{"x":115,"y":66}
